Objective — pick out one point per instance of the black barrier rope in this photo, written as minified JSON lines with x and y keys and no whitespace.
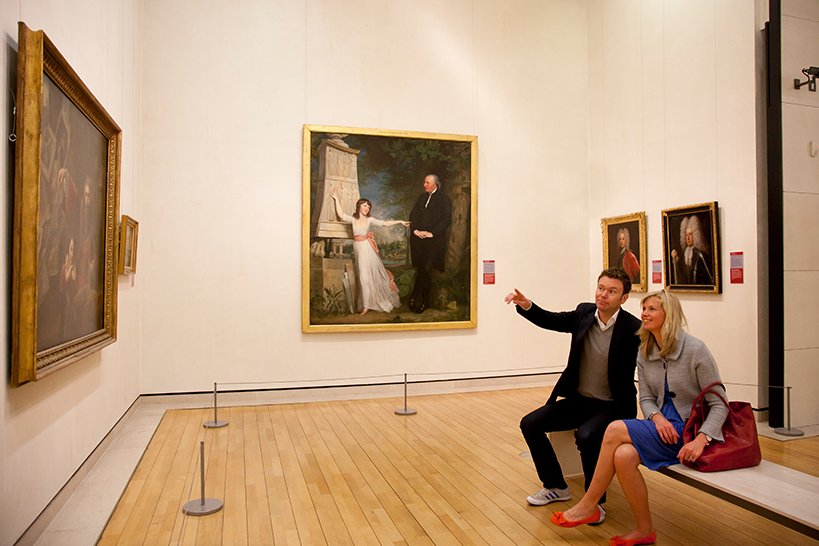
{"x":394,"y":375}
{"x":299,"y":381}
{"x":401,"y":411}
{"x":552,"y":369}
{"x":785,"y":431}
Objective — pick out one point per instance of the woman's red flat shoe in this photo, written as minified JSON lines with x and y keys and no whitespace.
{"x":640,"y":541}
{"x":558,"y":519}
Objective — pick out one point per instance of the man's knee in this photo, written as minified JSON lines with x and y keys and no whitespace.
{"x":529,"y":424}
{"x":539,"y":421}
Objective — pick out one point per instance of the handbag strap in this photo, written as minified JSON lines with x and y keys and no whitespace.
{"x":710,"y":388}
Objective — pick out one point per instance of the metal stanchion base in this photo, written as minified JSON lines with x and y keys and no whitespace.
{"x":215,"y":424}
{"x":789,"y":431}
{"x":405,"y":411}
{"x":198,"y":508}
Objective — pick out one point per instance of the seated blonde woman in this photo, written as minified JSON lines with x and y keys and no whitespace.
{"x":672,"y":367}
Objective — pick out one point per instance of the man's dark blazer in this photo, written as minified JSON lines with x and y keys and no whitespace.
{"x":622,"y":352}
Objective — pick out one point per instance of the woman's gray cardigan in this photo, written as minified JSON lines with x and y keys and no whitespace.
{"x":690,"y":369}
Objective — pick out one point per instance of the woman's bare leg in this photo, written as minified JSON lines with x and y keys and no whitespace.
{"x":626,"y":463}
{"x":616,"y":436}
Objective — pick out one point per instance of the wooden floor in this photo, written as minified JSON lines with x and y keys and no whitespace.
{"x":353,"y":472}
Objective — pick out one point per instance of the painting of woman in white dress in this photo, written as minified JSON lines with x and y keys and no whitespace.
{"x":378,"y":291}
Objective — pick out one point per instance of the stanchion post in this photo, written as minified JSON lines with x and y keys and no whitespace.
{"x":203,"y":506}
{"x":405,"y":410}
{"x":216,"y":423}
{"x":788,"y":431}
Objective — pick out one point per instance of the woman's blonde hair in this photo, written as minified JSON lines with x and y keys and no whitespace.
{"x":673,"y":323}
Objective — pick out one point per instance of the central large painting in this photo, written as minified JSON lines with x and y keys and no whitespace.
{"x":389,"y":230}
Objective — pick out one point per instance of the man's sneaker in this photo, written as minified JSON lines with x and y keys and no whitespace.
{"x":545,"y":496}
{"x":602,"y":515}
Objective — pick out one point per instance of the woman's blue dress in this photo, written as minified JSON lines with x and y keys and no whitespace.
{"x":654,"y":453}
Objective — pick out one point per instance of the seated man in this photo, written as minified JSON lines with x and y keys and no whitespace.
{"x":597,"y":386}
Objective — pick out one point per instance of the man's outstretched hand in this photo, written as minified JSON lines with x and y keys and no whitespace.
{"x":518,"y":299}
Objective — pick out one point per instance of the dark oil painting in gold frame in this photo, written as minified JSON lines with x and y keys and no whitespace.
{"x":389,"y":169}
{"x":624,"y":246}
{"x":691,"y":248}
{"x":66,"y":211}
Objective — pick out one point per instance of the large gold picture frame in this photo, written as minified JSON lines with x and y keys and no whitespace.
{"x":389,"y":169}
{"x":66,"y":208}
{"x":622,"y":237}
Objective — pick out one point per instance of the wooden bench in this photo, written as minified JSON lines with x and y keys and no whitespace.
{"x":781,"y":494}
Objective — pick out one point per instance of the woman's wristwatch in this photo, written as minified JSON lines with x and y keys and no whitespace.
{"x":707,"y":438}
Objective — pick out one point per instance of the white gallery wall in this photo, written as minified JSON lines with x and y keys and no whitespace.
{"x":580,"y":114}
{"x":800,"y":184}
{"x":227,"y":89}
{"x":672,"y":101}
{"x":51,"y":426}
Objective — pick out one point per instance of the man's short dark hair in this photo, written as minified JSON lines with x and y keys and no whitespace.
{"x":620,"y":275}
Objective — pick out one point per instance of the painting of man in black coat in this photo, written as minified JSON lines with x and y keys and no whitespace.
{"x":429,"y":226}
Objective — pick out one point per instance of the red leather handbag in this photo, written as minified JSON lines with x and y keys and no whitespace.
{"x":741,"y":446}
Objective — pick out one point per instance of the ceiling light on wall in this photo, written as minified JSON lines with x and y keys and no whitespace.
{"x":809,"y":73}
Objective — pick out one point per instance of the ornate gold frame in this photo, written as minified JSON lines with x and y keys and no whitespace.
{"x":708,"y":217}
{"x":399,"y":319}
{"x":38,"y":60}
{"x":633,"y":222}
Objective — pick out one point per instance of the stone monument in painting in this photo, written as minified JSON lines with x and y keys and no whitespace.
{"x":338,"y":171}
{"x":332,"y":271}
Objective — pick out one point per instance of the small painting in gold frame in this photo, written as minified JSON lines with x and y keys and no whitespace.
{"x":624,"y":246}
{"x":128,"y":234}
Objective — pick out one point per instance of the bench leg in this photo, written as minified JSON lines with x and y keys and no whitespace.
{"x":566,"y":451}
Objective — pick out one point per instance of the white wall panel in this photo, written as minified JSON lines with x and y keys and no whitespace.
{"x":801,"y":365}
{"x":800,"y":138}
{"x":804,"y":9}
{"x":673,"y":114}
{"x":691,"y":106}
{"x":801,"y":302}
{"x":800,"y":133}
{"x":801,"y":227}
